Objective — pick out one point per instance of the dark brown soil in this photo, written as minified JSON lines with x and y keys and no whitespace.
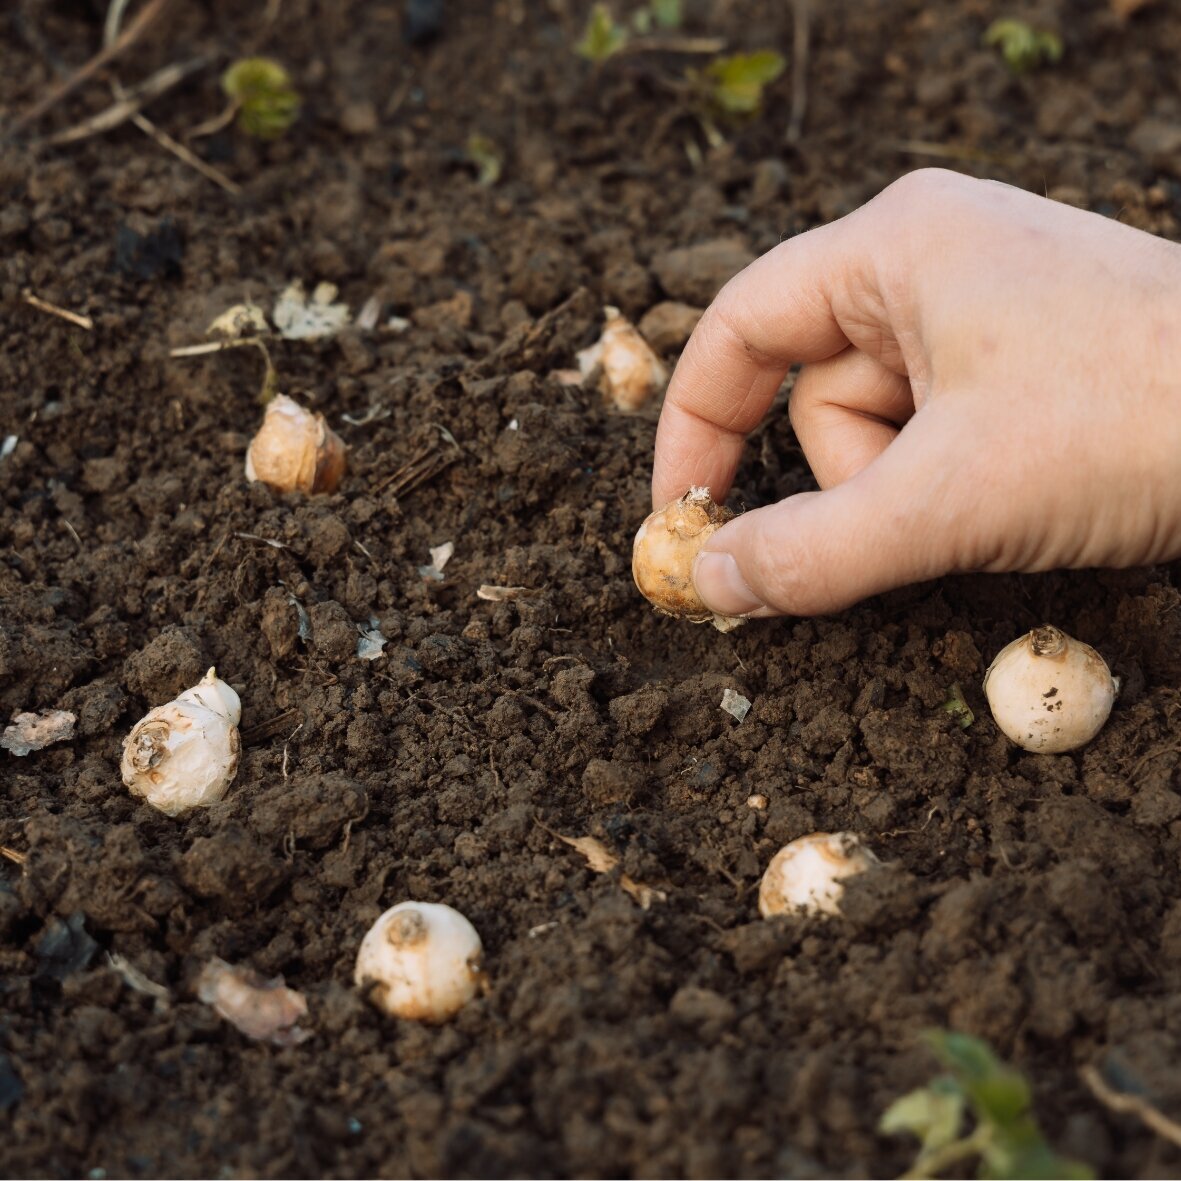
{"x":1033,"y":901}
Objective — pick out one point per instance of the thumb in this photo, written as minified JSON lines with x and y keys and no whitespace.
{"x":906,"y":517}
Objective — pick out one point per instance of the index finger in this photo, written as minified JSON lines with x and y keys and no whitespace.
{"x":777,"y":312}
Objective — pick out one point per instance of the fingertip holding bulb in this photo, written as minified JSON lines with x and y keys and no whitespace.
{"x":720,"y":585}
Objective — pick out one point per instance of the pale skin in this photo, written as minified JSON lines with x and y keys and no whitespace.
{"x":990,"y":381}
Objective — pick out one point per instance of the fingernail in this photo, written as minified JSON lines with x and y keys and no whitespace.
{"x":721,"y":586}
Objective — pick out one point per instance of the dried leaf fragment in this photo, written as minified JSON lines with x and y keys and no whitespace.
{"x":600,"y":859}
{"x":735,"y":704}
{"x":28,"y":732}
{"x":265,"y":1010}
{"x":243,"y":319}
{"x":597,"y":855}
{"x":642,"y":894}
{"x":440,"y":556}
{"x":502,"y":594}
{"x":371,"y":643}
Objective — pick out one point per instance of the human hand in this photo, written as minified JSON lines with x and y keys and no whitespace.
{"x":991,"y":382}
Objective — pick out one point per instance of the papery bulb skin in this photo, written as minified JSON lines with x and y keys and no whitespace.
{"x":295,"y":450}
{"x":663,"y":553}
{"x":1048,"y":692}
{"x":631,"y":372}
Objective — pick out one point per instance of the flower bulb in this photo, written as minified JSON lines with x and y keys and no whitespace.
{"x":420,"y":961}
{"x":1049,"y":692}
{"x":184,"y":754}
{"x":295,"y":450}
{"x":806,"y":876}
{"x":663,"y":554}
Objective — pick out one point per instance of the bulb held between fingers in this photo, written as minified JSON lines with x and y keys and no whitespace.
{"x":663,"y":555}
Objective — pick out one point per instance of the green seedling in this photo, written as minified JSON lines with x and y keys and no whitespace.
{"x":958,"y":708}
{"x":602,"y":38}
{"x":1023,"y":47}
{"x":1006,"y":1141}
{"x":734,"y":84}
{"x":263,"y":93}
{"x":666,"y":13}
{"x":485,"y":155}
{"x":657,"y":14}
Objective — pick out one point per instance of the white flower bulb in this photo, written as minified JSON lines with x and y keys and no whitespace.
{"x":806,"y":876}
{"x":663,"y":553}
{"x":420,"y":961}
{"x":1049,"y":692}
{"x":184,"y":754}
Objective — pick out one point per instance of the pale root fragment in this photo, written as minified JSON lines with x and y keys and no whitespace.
{"x":28,"y":732}
{"x":265,"y":1010}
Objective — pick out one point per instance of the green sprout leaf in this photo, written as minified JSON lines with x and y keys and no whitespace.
{"x":934,"y":1114}
{"x":997,"y":1091}
{"x":485,"y":155}
{"x":602,"y":37}
{"x":267,"y":100}
{"x":959,"y":709}
{"x":1006,"y":1140}
{"x":1022,"y":46}
{"x":666,"y":13}
{"x":736,"y":82}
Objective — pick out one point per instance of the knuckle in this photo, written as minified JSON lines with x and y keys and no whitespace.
{"x":924,"y":190}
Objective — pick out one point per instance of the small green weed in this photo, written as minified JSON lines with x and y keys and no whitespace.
{"x":266,"y":99}
{"x":1023,"y":47}
{"x":1006,"y":1140}
{"x":959,"y":709}
{"x":735,"y":83}
{"x":602,"y":38}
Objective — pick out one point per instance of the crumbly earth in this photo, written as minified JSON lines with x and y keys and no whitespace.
{"x":1033,"y":901}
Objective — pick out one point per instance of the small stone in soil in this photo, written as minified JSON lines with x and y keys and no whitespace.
{"x":64,"y":948}
{"x":11,"y":1088}
{"x":155,"y":253}
{"x":424,"y":21}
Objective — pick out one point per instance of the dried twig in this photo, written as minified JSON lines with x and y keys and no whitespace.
{"x":132,"y":102}
{"x":13,"y":855}
{"x":938,"y":151}
{"x":671,"y":44}
{"x":799,"y":70}
{"x":219,"y":178}
{"x":423,"y":466}
{"x":43,"y":305}
{"x":144,"y":19}
{"x":219,"y":121}
{"x":188,"y":157}
{"x":1125,"y":1104}
{"x":269,"y":729}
